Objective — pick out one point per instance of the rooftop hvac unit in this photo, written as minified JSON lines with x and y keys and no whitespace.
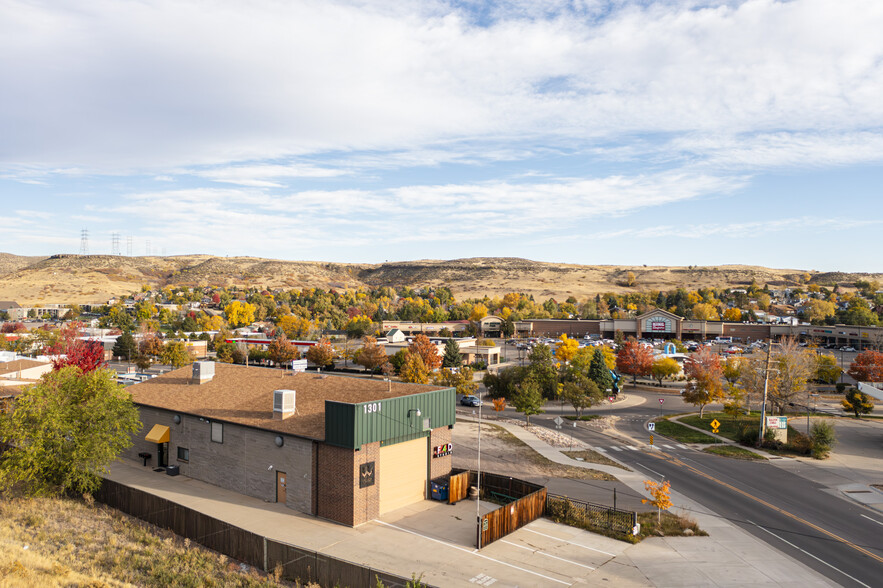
{"x":203,"y":371}
{"x":283,"y":403}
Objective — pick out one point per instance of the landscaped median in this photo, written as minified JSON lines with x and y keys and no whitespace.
{"x":682,"y":434}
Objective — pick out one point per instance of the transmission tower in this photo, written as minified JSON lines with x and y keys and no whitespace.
{"x":129,"y":245}
{"x":84,"y":242}
{"x":114,"y":243}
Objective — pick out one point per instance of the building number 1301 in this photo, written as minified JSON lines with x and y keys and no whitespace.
{"x":372,"y":407}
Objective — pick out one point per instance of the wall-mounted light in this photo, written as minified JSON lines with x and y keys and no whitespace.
{"x":280,"y":441}
{"x":177,"y":419}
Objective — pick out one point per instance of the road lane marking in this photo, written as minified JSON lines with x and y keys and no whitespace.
{"x":870,"y":519}
{"x":632,"y":447}
{"x":668,"y":446}
{"x":682,"y":446}
{"x":809,"y":554}
{"x":649,"y":470}
{"x":538,"y":552}
{"x":601,"y":449}
{"x":474,"y":552}
{"x":570,"y":542}
{"x":676,"y":461}
{"x":615,"y":448}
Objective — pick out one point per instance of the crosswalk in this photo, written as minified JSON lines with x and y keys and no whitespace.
{"x":613,"y":449}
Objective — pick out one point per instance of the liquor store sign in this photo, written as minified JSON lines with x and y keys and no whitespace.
{"x":777,"y":422}
{"x":442,"y":450}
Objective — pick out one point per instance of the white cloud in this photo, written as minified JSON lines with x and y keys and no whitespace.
{"x":116,"y":85}
{"x":741,"y":230}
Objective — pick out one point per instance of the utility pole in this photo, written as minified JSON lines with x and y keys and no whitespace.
{"x":766,"y":383}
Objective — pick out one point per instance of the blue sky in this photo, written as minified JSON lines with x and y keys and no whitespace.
{"x":593,"y":132}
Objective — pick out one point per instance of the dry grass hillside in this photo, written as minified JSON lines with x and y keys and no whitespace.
{"x":95,"y":278}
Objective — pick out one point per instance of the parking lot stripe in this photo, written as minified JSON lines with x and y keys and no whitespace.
{"x":474,"y":552}
{"x":538,"y":552}
{"x":570,"y":542}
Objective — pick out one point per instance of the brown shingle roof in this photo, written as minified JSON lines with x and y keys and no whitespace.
{"x":10,"y":367}
{"x":244,"y":395}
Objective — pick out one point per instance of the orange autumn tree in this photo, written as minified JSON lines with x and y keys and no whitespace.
{"x":427,"y":351}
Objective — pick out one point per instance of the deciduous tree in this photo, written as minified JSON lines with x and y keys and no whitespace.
{"x":281,"y":351}
{"x":664,"y":367}
{"x":414,"y":370}
{"x":462,"y":380}
{"x":867,"y":367}
{"x":857,"y":402}
{"x":705,"y":383}
{"x":827,"y":370}
{"x":567,"y":348}
{"x":371,"y":356}
{"x":479,"y":311}
{"x":239,"y":313}
{"x":528,"y":398}
{"x":427,"y":351}
{"x":321,"y":354}
{"x":661,"y":493}
{"x":176,"y":354}
{"x":581,"y":393}
{"x":64,"y":432}
{"x":634,"y":359}
{"x":794,"y":367}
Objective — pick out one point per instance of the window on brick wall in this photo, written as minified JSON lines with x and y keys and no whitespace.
{"x":218,"y":432}
{"x":183,"y":454}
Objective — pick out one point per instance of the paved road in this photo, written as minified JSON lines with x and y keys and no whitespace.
{"x":810,"y":522}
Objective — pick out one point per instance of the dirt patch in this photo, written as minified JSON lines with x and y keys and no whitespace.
{"x":503,"y":453}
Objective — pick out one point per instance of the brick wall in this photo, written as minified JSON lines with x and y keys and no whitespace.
{"x":439,"y":466}
{"x":240,"y":463}
{"x":339,"y":497}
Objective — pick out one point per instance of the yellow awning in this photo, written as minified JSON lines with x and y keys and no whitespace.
{"x":158,"y":434}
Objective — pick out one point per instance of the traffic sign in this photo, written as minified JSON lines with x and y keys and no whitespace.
{"x":558,"y":420}
{"x":715,"y":424}
{"x":661,"y":400}
{"x":651,"y":426}
{"x":651,"y":439}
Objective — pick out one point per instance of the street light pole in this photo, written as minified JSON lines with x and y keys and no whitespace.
{"x":766,"y":382}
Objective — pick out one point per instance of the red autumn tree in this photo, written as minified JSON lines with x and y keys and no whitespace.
{"x":70,"y":349}
{"x":634,"y":359}
{"x":867,"y":367}
{"x":427,"y":351}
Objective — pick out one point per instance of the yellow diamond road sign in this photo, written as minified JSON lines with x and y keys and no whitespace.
{"x":715,"y":424}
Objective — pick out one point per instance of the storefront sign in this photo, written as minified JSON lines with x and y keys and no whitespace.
{"x":442,"y":450}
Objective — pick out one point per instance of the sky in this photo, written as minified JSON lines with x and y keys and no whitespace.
{"x":665,"y":132}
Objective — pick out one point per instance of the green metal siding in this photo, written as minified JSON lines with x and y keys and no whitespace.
{"x":389,"y":421}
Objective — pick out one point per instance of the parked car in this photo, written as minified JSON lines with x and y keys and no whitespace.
{"x":470,"y":401}
{"x":847,"y":348}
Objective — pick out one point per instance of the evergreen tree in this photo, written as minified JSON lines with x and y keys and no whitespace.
{"x":125,"y":346}
{"x":452,"y":357}
{"x":599,"y":373}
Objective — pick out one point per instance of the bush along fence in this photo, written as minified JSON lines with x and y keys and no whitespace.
{"x":592,"y":517}
{"x":297,"y":564}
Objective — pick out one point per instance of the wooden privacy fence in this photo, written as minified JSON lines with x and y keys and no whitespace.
{"x":523,"y":502}
{"x":570,"y":510}
{"x":458,"y":486}
{"x":255,"y":550}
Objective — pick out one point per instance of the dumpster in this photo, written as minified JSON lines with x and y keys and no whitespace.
{"x":439,"y":491}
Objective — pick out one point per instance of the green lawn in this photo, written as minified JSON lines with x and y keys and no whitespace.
{"x":728,"y":427}
{"x":585,"y":417}
{"x":682,"y":434}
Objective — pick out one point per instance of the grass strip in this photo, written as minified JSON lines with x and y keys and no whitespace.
{"x":682,"y":434}
{"x":734,"y":452}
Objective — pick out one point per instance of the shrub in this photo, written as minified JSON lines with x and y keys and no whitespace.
{"x":823,"y":439}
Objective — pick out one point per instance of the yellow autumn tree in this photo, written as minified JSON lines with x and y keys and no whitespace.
{"x":705,"y":312}
{"x":296,"y":327}
{"x":567,"y":348}
{"x":479,"y":311}
{"x":661,"y":493}
{"x":733,"y":314}
{"x":239,"y":313}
